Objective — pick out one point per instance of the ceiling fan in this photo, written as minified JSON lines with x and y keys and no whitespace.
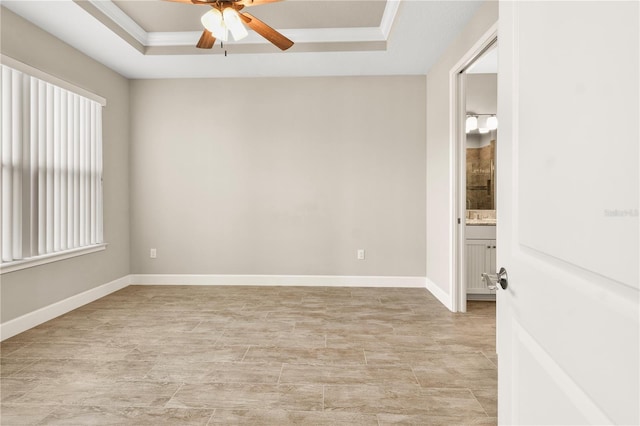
{"x":225,"y":17}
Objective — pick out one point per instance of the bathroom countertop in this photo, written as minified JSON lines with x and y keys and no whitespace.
{"x":481,"y":222}
{"x":480,"y":218}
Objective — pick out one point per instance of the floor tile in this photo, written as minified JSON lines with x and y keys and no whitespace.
{"x":436,"y":356}
{"x":11,"y":366}
{"x":286,"y":339}
{"x":248,"y":396}
{"x":54,"y":350}
{"x":401,"y":399}
{"x":429,"y":420}
{"x":23,"y":414}
{"x":107,"y":415}
{"x":488,"y":399}
{"x":346,"y":374}
{"x":456,"y":377}
{"x":184,"y":353}
{"x":255,"y":355}
{"x":305,"y":356}
{"x":133,"y":394}
{"x":15,"y":388}
{"x":379,"y":341}
{"x":13,"y":344}
{"x":84,"y":370}
{"x":215,"y":372}
{"x":282,"y":417}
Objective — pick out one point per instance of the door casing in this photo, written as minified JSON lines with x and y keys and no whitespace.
{"x":457,"y":96}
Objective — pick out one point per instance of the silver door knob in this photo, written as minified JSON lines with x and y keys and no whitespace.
{"x":501,"y":279}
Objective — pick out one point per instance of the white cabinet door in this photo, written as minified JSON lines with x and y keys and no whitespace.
{"x":568,"y":155}
{"x":480,"y":257}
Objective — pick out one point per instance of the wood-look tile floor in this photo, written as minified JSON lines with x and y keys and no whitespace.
{"x":149,"y":355}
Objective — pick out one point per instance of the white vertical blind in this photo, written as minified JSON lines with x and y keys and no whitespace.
{"x":12,"y":134}
{"x":51,"y":168}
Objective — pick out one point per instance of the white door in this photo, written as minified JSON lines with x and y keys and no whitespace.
{"x":568,"y":154}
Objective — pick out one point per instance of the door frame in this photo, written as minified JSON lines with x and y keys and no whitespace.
{"x":458,"y":158}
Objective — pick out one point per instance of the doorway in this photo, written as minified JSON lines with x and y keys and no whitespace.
{"x":474,"y":91}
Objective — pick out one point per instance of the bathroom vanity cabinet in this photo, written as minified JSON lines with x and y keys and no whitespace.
{"x":480,"y":251}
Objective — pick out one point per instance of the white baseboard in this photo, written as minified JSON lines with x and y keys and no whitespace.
{"x":32,"y":319}
{"x":278,"y":280}
{"x":439,"y":293}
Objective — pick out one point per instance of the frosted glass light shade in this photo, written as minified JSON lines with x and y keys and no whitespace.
{"x":233,"y":22}
{"x":212,"y":21}
{"x":472,"y":123}
{"x":492,"y":123}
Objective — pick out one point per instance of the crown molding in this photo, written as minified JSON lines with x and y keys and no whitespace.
{"x":388,"y":17}
{"x":188,"y":38}
{"x":315,"y":35}
{"x":113,"y":12}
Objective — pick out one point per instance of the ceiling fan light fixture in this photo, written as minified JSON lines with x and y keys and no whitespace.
{"x":213,"y":21}
{"x":224,"y":17}
{"x":234,"y":24}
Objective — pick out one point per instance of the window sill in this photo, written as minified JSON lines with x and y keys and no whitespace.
{"x":49,"y":258}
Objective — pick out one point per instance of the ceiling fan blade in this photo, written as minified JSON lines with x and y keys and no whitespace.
{"x":204,"y":2}
{"x":207,"y":40}
{"x":248,"y":3}
{"x":266,"y":31}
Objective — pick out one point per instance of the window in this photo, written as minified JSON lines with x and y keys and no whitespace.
{"x":51,"y":180}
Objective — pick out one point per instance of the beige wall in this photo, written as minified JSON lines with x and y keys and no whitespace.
{"x":30,"y":289}
{"x":439,"y":162}
{"x":279,"y":176}
{"x":258,"y":176}
{"x":482,"y":93}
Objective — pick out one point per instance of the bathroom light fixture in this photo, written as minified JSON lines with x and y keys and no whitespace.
{"x":492,"y":122}
{"x":481,"y":122}
{"x":472,"y":123}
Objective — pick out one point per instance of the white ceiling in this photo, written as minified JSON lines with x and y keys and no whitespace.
{"x":155,"y":39}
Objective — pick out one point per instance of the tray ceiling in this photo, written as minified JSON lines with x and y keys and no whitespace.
{"x":163,"y":16}
{"x":156,"y":39}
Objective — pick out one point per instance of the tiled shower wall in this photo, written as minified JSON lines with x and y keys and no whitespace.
{"x":481,"y":177}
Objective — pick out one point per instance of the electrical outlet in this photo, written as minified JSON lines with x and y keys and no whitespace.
{"x":360,"y":254}
{"x":153,"y":253}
